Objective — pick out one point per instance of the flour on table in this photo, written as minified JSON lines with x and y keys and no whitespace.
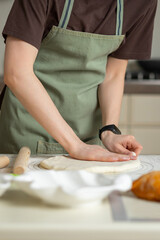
{"x":68,"y":163}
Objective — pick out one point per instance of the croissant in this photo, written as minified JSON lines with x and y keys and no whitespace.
{"x":148,"y":186}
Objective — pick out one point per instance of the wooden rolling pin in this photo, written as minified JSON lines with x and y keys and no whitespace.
{"x":21,"y":161}
{"x":4,"y":161}
{"x":148,"y":186}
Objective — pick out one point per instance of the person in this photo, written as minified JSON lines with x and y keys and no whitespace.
{"x":64,"y":70}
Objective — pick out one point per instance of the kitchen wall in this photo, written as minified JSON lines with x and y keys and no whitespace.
{"x":156,"y":35}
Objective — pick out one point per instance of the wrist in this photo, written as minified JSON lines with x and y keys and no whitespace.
{"x":109,"y":128}
{"x":106,"y":134}
{"x":71,"y":144}
{"x":67,"y":138}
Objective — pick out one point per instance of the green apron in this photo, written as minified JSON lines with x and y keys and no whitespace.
{"x":70,"y":65}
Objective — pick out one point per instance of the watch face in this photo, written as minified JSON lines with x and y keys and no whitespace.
{"x":116,"y":130}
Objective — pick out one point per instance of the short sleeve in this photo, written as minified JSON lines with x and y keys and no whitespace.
{"x":26,"y":21}
{"x":138,"y":39}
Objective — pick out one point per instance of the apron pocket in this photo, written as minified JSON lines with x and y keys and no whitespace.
{"x":49,"y":148}
{"x":55,"y":148}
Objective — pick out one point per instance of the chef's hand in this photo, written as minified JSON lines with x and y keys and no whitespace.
{"x":122,"y":144}
{"x":88,"y":152}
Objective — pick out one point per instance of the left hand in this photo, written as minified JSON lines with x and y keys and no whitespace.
{"x":123,"y":144}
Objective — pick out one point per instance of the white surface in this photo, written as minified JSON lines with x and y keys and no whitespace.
{"x":24,"y":217}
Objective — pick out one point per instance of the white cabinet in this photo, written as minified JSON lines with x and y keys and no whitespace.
{"x":149,"y":137}
{"x":145,"y":110}
{"x":140,"y":116}
{"x":124,"y":111}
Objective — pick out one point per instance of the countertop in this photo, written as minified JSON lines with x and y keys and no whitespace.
{"x":142,"y":87}
{"x":24,"y":217}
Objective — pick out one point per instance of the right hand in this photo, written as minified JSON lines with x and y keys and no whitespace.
{"x":96,"y":153}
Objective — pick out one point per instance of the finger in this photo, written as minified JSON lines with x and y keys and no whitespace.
{"x":107,"y":157}
{"x":134,"y":146}
{"x":102,"y":157}
{"x":138,"y":150}
{"x":123,"y":150}
{"x":120,"y":157}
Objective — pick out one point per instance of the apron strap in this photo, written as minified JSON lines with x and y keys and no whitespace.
{"x":68,"y":9}
{"x":66,"y":13}
{"x":119,"y":24}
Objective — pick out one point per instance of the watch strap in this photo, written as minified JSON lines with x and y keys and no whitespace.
{"x":110,"y":127}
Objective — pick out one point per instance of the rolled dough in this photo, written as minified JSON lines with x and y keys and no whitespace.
{"x":68,"y":163}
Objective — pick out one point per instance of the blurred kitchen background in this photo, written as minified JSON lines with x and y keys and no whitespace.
{"x":140,"y":114}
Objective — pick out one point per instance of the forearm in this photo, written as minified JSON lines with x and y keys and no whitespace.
{"x":110,"y":97}
{"x":110,"y":91}
{"x":33,"y":96}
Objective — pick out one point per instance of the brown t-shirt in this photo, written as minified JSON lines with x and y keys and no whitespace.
{"x":31,"y":21}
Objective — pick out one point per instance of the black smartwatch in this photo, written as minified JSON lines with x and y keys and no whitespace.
{"x":111,"y":127}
